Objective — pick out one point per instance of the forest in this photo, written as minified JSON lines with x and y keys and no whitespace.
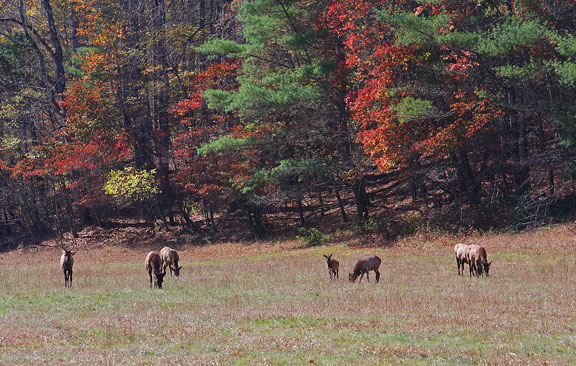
{"x":266,"y":116}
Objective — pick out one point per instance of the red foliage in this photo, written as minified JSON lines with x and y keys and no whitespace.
{"x":385,"y":74}
{"x":84,"y":150}
{"x":205,"y":177}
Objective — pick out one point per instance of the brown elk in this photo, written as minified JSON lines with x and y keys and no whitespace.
{"x":67,"y":262}
{"x":364,"y":266}
{"x":154,"y":268}
{"x":477,"y":261}
{"x":461,"y":258}
{"x":170,"y":259}
{"x":333,"y":266}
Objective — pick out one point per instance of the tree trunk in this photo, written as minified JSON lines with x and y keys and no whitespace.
{"x":361,"y":199}
{"x":301,"y":212}
{"x":341,"y":206}
{"x":469,"y":182}
{"x":546,"y":156}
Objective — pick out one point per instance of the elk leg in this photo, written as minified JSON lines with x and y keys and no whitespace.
{"x":458,"y":264}
{"x":479,"y":270}
{"x":70,"y":278}
{"x":368,"y":276}
{"x":337,"y":274}
{"x":150,"y":274}
{"x":377,"y":276}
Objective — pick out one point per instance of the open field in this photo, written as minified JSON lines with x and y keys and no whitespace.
{"x":264,"y":304}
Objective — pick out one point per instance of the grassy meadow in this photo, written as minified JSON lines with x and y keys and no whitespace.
{"x":273,"y":304}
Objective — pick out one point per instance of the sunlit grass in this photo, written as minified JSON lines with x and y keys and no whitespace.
{"x":279,"y":307}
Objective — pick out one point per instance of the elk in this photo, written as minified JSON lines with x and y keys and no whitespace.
{"x":477,"y":260}
{"x":461,"y":258}
{"x":364,"y":266}
{"x":333,"y":266}
{"x":67,"y":262}
{"x":170,"y":259}
{"x":154,"y":268}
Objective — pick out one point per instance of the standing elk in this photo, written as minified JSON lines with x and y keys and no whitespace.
{"x":170,"y":259}
{"x":461,"y":258}
{"x":67,"y":262}
{"x":154,"y":268}
{"x":333,"y":266}
{"x":477,"y":261}
{"x":364,"y":266}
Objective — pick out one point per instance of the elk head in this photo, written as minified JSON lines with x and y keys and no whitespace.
{"x":176,"y":270}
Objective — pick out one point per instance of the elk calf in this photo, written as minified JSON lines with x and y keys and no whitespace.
{"x":170,"y":259}
{"x":461,"y":258}
{"x":364,"y":266}
{"x":477,"y":261}
{"x":154,"y":268}
{"x":333,"y":266}
{"x":67,"y":262}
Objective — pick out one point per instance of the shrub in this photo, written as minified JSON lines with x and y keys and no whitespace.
{"x":311,"y":236}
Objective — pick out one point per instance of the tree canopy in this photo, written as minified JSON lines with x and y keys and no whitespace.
{"x":285,"y":112}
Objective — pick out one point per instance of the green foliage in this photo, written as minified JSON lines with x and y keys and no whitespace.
{"x":297,"y":169}
{"x":287,"y":173}
{"x":566,"y":72}
{"x":131,"y":185}
{"x":564,"y":118}
{"x":224,"y":143}
{"x":410,"y":29}
{"x":512,"y":35}
{"x":566,"y":46}
{"x":260,"y":89}
{"x":222,"y":46}
{"x":410,"y":109}
{"x":311,"y":236}
{"x":527,"y":71}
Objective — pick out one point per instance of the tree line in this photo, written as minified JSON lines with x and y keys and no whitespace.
{"x":191,"y":112}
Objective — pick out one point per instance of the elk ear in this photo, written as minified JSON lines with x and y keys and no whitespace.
{"x":325,"y":256}
{"x":489,"y":263}
{"x":179,"y":268}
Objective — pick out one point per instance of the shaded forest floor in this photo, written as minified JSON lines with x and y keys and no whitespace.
{"x":271,"y":302}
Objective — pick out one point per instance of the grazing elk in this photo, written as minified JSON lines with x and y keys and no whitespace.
{"x":154,"y":268}
{"x":477,"y":261}
{"x":333,"y":266}
{"x":461,"y":258}
{"x":170,"y":259}
{"x":364,"y":266}
{"x":67,"y":262}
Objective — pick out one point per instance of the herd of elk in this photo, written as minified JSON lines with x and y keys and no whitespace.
{"x":476,"y":258}
{"x":156,"y":264}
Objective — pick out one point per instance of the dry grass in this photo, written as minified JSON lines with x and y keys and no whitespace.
{"x":271,"y":303}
